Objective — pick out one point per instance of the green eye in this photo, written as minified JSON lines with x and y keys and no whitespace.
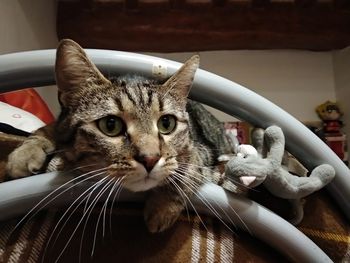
{"x":166,"y":124}
{"x":111,"y":125}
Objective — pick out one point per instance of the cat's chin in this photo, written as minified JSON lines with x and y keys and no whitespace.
{"x":142,"y":185}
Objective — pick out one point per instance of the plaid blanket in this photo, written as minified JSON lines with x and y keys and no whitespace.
{"x":48,"y":238}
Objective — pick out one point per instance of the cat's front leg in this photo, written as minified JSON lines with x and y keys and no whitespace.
{"x":30,"y":157}
{"x":162,"y":209}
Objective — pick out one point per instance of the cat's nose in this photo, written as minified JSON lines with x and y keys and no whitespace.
{"x":148,"y":161}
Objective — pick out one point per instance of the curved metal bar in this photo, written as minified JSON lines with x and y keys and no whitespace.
{"x":36,"y":68}
{"x":19,"y":196}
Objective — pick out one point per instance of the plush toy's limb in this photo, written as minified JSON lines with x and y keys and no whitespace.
{"x":274,"y":140}
{"x":257,"y":137}
{"x":298,"y":211}
{"x":289,"y":186}
{"x":232,"y":138}
{"x":288,"y":161}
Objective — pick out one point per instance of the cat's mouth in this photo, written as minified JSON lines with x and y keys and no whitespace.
{"x":138,"y":179}
{"x":142,"y":180}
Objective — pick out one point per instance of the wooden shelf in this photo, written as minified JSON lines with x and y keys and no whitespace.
{"x":197,"y":25}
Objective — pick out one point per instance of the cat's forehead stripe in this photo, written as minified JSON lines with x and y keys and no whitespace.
{"x":150,"y":94}
{"x":119,"y":104}
{"x":160,"y":103}
{"x":131,"y":95}
{"x":140,"y":97}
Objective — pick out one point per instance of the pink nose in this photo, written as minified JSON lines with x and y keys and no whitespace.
{"x":148,"y":161}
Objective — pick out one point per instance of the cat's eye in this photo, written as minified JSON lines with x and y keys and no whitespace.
{"x":166,"y":124}
{"x":111,"y":125}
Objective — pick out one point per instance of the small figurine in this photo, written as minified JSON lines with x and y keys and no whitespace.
{"x":330,"y":113}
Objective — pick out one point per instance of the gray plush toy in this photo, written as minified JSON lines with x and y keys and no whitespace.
{"x":253,"y":170}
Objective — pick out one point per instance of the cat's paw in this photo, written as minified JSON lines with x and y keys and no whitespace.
{"x":28,"y":159}
{"x":158,"y":221}
{"x":161,"y":211}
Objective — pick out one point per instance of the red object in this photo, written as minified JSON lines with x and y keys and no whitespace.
{"x":242,"y":129}
{"x":338,"y":145}
{"x":332,"y":126}
{"x":29,"y":100}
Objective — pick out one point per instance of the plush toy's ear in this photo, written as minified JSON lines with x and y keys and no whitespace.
{"x":180,"y":83}
{"x":74,"y":70}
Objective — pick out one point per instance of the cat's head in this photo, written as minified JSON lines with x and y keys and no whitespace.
{"x":135,"y":127}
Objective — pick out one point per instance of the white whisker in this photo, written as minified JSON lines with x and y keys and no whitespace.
{"x":115,"y":185}
{"x":213,"y":171}
{"x":179,"y":190}
{"x":83,"y":217}
{"x":188,"y":199}
{"x":237,"y":215}
{"x":66,"y":212}
{"x":115,"y":197}
{"x":55,"y":197}
{"x":86,"y":210}
{"x":98,"y":221}
{"x":206,"y":168}
{"x":193,"y":188}
{"x":224,"y":211}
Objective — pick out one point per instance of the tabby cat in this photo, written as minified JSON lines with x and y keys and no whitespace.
{"x":131,"y":130}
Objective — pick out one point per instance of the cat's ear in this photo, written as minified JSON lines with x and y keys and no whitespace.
{"x":181,"y":82}
{"x":74,"y":70}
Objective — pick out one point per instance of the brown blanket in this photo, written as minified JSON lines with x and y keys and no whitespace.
{"x":127,"y":240}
